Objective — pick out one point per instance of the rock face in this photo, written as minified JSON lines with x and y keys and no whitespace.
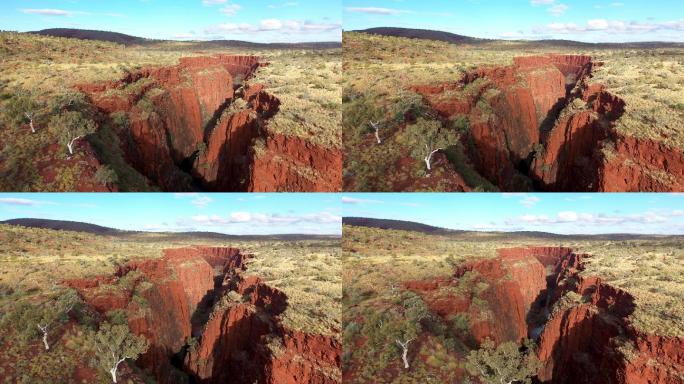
{"x":586,"y":341}
{"x":208,"y":323}
{"x":540,"y":124}
{"x":200,"y":125}
{"x":497,"y":309}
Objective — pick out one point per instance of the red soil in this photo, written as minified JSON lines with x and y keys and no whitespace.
{"x":188,"y":102}
{"x":504,"y":143}
{"x":178,"y":293}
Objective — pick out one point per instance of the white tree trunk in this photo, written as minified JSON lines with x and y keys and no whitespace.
{"x":428,"y":158}
{"x":71,"y":144}
{"x":113,"y":373}
{"x":30,"y":117}
{"x":45,"y":336}
{"x":376,"y":128}
{"x":114,"y":369}
{"x":404,"y":356}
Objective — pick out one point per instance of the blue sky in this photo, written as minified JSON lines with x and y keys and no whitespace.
{"x":249,"y":213}
{"x":551,"y":212}
{"x":581,"y":20}
{"x":259,"y":21}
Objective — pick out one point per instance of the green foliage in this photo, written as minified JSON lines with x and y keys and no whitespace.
{"x":401,"y":321}
{"x":70,"y":125}
{"x":425,"y":136}
{"x":71,"y":101}
{"x":459,"y":123}
{"x":120,"y":120}
{"x":106,"y":175}
{"x":18,"y":106}
{"x":408,"y":107}
{"x":49,"y":314}
{"x":359,"y":110}
{"x":506,"y":363}
{"x":112,"y":343}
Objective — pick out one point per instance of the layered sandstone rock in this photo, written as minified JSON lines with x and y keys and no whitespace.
{"x":584,"y":342}
{"x":205,"y":321}
{"x":199,"y":125}
{"x":541,"y":124}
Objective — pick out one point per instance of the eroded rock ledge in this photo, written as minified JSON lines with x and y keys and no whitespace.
{"x":202,"y":120}
{"x":581,"y":324}
{"x":540,"y":125}
{"x":207,"y":323}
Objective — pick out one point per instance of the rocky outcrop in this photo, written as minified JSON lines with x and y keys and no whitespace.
{"x":540,"y":124}
{"x":201,"y":125}
{"x":497,"y":295}
{"x":207,"y":322}
{"x":592,"y":340}
{"x":580,"y":323}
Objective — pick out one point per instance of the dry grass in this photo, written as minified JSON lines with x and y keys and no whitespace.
{"x":651,"y":270}
{"x":35,"y":260}
{"x":652,"y":85}
{"x":382,"y":69}
{"x":307,"y":82}
{"x":309,"y":86}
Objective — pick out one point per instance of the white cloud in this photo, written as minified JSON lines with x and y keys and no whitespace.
{"x":611,"y":26}
{"x":201,"y":201}
{"x":542,"y":2}
{"x":46,"y":12}
{"x":568,"y":216}
{"x":589,"y":219}
{"x":230,"y":9}
{"x":197,"y":199}
{"x":214,"y":2}
{"x":284,"y":5}
{"x":597,"y":24}
{"x":375,"y":10}
{"x":323,"y":217}
{"x":558,"y":9}
{"x":530,"y":201}
{"x":271,"y":25}
{"x":354,"y":200}
{"x":18,"y":201}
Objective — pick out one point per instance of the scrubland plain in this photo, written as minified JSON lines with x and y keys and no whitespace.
{"x":400,"y":85}
{"x":450,"y":292}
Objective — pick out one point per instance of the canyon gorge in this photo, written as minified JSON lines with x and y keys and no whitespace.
{"x":541,"y":124}
{"x":201,"y":125}
{"x":580,"y":324}
{"x":207,"y":322}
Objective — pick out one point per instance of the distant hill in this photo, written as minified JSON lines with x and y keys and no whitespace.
{"x":428,"y":229}
{"x":63,"y":225}
{"x":76,"y":226}
{"x":121,"y":38}
{"x":394,"y":224}
{"x":86,"y":34}
{"x":247,"y":44}
{"x":453,"y":38}
{"x":422,"y":34}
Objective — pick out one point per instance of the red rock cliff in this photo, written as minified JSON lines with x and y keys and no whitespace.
{"x":200,"y":293}
{"x":200,"y":120}
{"x":540,"y":124}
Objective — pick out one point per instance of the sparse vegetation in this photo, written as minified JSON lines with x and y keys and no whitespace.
{"x":384,"y":69}
{"x":36,"y":260}
{"x":377,"y":263}
{"x":37,"y":79}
